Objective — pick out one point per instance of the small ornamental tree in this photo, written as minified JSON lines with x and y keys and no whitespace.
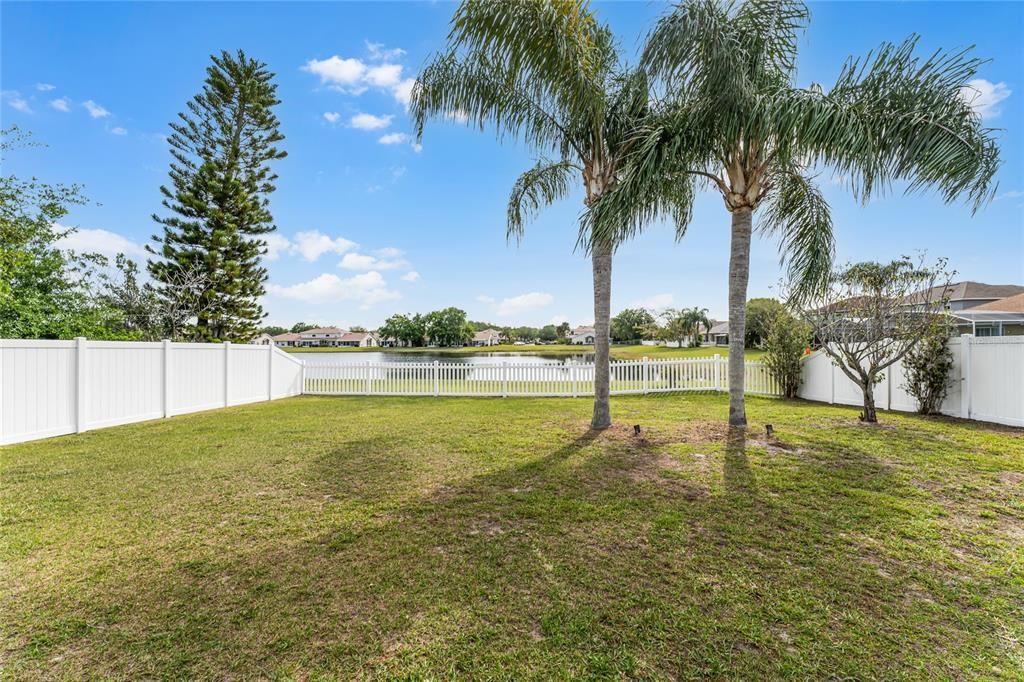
{"x":927,"y":366}
{"x":786,"y":337}
{"x":870,"y":315}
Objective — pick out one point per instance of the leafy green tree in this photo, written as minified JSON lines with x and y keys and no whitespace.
{"x":631,"y":325}
{"x":133,"y":307}
{"x":927,"y":366}
{"x":548,"y":333}
{"x":357,"y":328}
{"x":300,"y":327}
{"x":735,"y":121}
{"x":785,"y":341}
{"x":46,"y":291}
{"x":273,"y":330}
{"x":759,"y":313}
{"x":546,"y":73}
{"x":221,"y":180}
{"x":677,"y":327}
{"x":448,"y":327}
{"x":562,"y":332}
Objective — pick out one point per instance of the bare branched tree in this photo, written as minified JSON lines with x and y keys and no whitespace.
{"x":870,"y":315}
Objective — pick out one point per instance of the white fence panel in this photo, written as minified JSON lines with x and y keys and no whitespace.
{"x":197,"y":377}
{"x":37,"y":389}
{"x":986,"y":382}
{"x":49,"y":388}
{"x":123,"y":383}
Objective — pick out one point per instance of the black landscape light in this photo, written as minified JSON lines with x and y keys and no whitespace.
{"x":769,"y":430}
{"x":636,"y":429}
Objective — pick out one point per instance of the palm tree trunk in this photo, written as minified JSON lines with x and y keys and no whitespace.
{"x":601,"y":260}
{"x":739,"y":274}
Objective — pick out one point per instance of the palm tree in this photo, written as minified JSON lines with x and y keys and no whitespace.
{"x":547,"y":73}
{"x":694,"y":318}
{"x":729,"y":68}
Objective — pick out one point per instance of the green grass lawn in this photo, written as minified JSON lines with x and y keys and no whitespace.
{"x":618,"y":352}
{"x":486,"y":538}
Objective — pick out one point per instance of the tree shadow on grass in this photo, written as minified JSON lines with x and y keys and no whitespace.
{"x":559,"y":563}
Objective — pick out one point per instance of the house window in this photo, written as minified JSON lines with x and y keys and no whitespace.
{"x":988,"y":329}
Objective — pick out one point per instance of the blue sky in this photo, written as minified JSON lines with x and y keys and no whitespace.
{"x":369,"y":224}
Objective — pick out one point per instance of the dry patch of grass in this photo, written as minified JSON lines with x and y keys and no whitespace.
{"x":452,"y":538}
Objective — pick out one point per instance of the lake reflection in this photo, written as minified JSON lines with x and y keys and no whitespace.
{"x":350,"y":358}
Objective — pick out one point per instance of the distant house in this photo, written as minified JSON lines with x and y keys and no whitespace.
{"x":980,"y":309}
{"x":965,"y":295}
{"x":486,"y":337}
{"x":1003,"y":317}
{"x":358,"y":340}
{"x":286,"y":340}
{"x":320,"y":336}
{"x":263,"y":340}
{"x":582,"y":336}
{"x":719,"y":334}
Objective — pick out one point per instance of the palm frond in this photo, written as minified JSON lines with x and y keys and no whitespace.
{"x":540,"y":186}
{"x":799,"y":216}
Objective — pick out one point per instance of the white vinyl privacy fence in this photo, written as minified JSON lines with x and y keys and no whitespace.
{"x":986,"y":382}
{"x":512,"y":379}
{"x":48,"y":388}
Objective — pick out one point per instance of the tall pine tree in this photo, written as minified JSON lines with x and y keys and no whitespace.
{"x":221,"y":180}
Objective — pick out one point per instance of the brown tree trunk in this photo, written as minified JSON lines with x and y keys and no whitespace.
{"x":869,"y":415}
{"x":601,"y":259}
{"x":739,"y":274}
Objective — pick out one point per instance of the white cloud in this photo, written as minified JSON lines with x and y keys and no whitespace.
{"x":389,"y":252}
{"x":393,"y":138}
{"x":99,"y":241}
{"x":411,"y":276}
{"x":368,"y":288}
{"x":403,"y":91}
{"x":379,"y":54}
{"x":385,"y":75}
{"x":985,"y":96}
{"x":370,"y":122}
{"x":517,"y":305}
{"x":313,"y":244}
{"x":354,"y":76}
{"x":332,"y":116}
{"x":1012,"y":194}
{"x":417,"y":147}
{"x":362,"y":261}
{"x":16,"y":101}
{"x":656,"y":302}
{"x":118,"y":130}
{"x":345,"y":74}
{"x":459,"y":116}
{"x":95,"y":110}
{"x":558,"y":319}
{"x":276,"y":245}
{"x":373,"y":188}
{"x":45,"y":87}
{"x":397,"y":172}
{"x":61,"y":104}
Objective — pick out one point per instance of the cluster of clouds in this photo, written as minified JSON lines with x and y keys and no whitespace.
{"x":380,"y":72}
{"x":367,"y":288}
{"x":63,"y":104}
{"x":515,"y":306}
{"x":985,"y":97}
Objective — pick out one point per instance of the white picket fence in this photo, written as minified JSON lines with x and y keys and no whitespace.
{"x":49,"y":388}
{"x":519,"y":379}
{"x":986,"y":382}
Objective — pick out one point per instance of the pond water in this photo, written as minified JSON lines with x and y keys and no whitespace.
{"x":351,"y":358}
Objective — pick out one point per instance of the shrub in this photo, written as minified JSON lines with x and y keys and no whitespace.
{"x":784,"y":346}
{"x":927,"y":367}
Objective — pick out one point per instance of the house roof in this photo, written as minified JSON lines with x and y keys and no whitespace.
{"x":579,"y":331}
{"x":354,"y":336}
{"x":967,"y":291}
{"x":1010,"y":304}
{"x":720,"y":328}
{"x":287,"y":336}
{"x":485,"y":334}
{"x":323,"y":330}
{"x":973,"y":315}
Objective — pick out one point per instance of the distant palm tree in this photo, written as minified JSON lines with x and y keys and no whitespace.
{"x":728,"y":70}
{"x":694,"y":318}
{"x":547,"y":73}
